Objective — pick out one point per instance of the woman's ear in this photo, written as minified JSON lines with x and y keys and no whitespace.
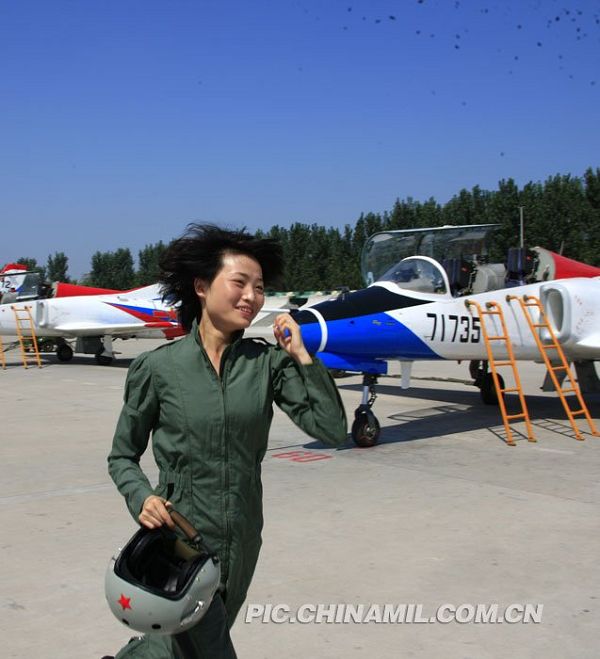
{"x":200,"y":287}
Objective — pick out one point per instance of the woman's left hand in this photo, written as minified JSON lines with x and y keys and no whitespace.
{"x":287,"y":333}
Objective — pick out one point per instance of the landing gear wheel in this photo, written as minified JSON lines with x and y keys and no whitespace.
{"x":488,"y":390}
{"x":102,"y":359}
{"x":64,"y":352}
{"x":46,"y":345}
{"x":365,"y":429}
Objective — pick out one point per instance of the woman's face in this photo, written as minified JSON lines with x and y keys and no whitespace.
{"x":235,"y":295}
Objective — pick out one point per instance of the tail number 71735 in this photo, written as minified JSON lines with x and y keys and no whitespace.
{"x":454,"y":328}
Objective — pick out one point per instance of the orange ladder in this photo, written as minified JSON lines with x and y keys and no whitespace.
{"x":528,"y":302}
{"x":494,"y":309}
{"x":24,"y":323}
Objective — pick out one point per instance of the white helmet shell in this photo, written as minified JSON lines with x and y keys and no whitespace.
{"x":158,"y":584}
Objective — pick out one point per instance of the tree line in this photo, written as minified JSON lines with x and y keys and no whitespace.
{"x":561,"y":214}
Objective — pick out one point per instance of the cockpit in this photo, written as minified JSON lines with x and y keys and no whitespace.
{"x":420,"y":274}
{"x":448,"y":260}
{"x":382,"y":251}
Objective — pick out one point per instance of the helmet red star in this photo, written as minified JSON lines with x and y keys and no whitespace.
{"x":124,"y":602}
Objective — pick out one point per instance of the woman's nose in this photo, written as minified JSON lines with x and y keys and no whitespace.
{"x":248,"y":293}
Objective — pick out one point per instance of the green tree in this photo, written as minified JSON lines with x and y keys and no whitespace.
{"x":591,"y":249}
{"x":57,"y":267}
{"x":32,"y":264}
{"x":148,"y":260}
{"x":591,"y":180}
{"x":403,"y":215}
{"x":112,"y":270}
{"x":562,"y":224}
{"x":503,"y":209}
{"x":298,"y":275}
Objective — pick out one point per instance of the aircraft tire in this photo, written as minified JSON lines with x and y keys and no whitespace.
{"x":365,"y":429}
{"x":64,"y":352}
{"x":46,"y":345}
{"x":488,"y":390}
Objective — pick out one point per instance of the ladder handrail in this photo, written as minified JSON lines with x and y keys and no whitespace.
{"x":19,"y":325}
{"x":494,"y":309}
{"x":526,"y":302}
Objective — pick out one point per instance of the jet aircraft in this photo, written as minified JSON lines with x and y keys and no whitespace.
{"x":94,"y":318}
{"x":416,"y":309}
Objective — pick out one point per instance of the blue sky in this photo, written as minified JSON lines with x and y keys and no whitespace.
{"x":123,"y":120}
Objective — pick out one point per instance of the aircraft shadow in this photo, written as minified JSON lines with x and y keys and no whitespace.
{"x":465,"y":412}
{"x":49,"y":359}
{"x":462,"y":412}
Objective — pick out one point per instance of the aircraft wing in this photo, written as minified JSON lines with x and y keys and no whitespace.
{"x":83,"y":328}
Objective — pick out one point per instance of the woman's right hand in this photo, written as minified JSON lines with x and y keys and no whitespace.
{"x":154,"y":513}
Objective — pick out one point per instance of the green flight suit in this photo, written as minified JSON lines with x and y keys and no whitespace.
{"x":209,"y":436}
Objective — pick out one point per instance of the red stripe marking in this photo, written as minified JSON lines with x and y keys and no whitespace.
{"x":301,"y":456}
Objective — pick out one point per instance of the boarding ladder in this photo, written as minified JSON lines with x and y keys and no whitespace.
{"x":527,"y":303}
{"x":2,"y":357}
{"x":493,"y":309}
{"x":25,"y":330}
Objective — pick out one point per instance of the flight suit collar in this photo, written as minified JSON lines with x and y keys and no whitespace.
{"x":237,"y":336}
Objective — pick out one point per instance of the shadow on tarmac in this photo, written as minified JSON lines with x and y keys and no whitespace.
{"x":546,"y":412}
{"x":50,"y":359}
{"x":464,"y":411}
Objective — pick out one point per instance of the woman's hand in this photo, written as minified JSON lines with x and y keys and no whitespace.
{"x":287,"y":333}
{"x":154,"y":513}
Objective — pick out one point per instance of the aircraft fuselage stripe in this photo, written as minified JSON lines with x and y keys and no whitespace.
{"x":322,"y":325}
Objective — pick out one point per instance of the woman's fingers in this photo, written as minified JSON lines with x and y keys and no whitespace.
{"x":155,"y":513}
{"x":289,"y":337}
{"x":285,"y":329}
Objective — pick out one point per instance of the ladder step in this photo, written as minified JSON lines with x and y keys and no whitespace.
{"x":569,"y":390}
{"x":550,"y":346}
{"x":577,"y":412}
{"x":502,"y":363}
{"x":510,"y":390}
{"x":539,"y":324}
{"x":497,"y":338}
{"x":522,"y":415}
{"x":558,"y":368}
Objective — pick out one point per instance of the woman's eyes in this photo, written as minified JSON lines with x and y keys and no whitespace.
{"x":241,"y":284}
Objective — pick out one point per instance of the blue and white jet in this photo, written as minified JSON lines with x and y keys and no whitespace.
{"x":415,"y":311}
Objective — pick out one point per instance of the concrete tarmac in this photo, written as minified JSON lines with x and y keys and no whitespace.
{"x":442,"y":511}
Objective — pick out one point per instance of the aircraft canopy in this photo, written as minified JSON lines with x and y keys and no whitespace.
{"x":418,"y":274}
{"x":385,"y":249}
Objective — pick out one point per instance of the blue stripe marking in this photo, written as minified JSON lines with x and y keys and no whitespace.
{"x":373,"y":336}
{"x":353,"y":363}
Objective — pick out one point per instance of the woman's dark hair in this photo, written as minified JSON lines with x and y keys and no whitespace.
{"x":199,"y":254}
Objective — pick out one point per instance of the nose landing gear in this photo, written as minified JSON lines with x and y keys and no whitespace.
{"x":366,"y":428}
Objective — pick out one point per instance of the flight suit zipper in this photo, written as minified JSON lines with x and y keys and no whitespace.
{"x":226,"y":476}
{"x":221,"y":378}
{"x":218,"y":379}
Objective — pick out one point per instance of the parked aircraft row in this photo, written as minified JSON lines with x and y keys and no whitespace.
{"x":413,"y":309}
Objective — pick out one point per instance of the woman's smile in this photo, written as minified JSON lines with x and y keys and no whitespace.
{"x":246,"y":311}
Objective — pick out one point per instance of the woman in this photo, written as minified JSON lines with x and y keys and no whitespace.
{"x":207,"y":401}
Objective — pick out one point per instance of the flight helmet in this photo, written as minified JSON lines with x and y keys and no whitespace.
{"x":160,"y":584}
